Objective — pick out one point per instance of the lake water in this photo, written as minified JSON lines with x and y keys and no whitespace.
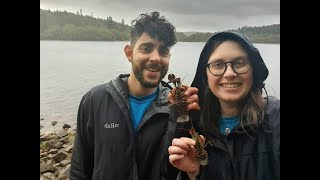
{"x":68,"y":69}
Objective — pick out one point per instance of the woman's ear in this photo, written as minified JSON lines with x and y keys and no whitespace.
{"x":128,"y":51}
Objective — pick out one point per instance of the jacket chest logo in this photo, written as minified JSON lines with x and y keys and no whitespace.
{"x":111,"y":125}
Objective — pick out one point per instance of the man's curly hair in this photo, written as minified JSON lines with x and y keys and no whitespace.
{"x":155,"y":26}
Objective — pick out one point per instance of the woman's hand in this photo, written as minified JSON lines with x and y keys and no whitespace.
{"x":191,"y":94}
{"x":182,"y":155}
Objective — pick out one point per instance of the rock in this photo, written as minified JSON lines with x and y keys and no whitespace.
{"x":43,"y":154}
{"x":44,"y":159}
{"x":58,"y":145}
{"x":65,"y":145}
{"x":55,"y":154}
{"x":53,"y":151}
{"x":44,"y":167}
{"x":49,"y":176}
{"x":64,"y":139}
{"x":51,"y":143}
{"x":50,"y":156}
{"x":47,"y":137}
{"x":69,"y":148}
{"x":54,"y":144}
{"x":63,"y":177}
{"x":55,"y":165}
{"x":49,"y":161}
{"x":65,"y":172}
{"x":56,"y":173}
{"x":65,"y":162}
{"x":60,"y":156}
{"x":66,"y":126}
{"x":54,"y":123}
{"x":62,"y":133}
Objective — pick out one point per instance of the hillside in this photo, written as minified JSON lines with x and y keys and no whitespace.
{"x":63,"y":25}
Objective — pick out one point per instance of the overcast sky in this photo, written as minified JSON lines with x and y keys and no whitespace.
{"x":186,"y":15}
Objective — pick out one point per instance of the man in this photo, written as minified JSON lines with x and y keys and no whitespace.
{"x":122,"y":126}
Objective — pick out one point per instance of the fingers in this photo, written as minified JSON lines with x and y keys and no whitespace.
{"x":180,"y":148}
{"x":184,"y":143}
{"x":175,"y":157}
{"x":193,"y":98}
{"x":171,"y":95}
{"x":202,"y":139}
{"x":191,"y":95}
{"x":194,"y":106}
{"x":190,"y":90}
{"x":177,"y":150}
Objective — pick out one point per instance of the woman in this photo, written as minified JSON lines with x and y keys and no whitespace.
{"x":242,"y":126}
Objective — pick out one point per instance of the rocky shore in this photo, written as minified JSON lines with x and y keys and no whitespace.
{"x":55,"y":153}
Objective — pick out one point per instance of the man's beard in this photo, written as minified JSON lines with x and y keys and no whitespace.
{"x":138,"y":72}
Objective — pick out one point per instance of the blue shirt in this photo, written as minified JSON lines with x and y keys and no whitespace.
{"x":138,"y":106}
{"x":227,"y":124}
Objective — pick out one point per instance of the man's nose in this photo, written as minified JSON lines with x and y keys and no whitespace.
{"x":155,"y":56}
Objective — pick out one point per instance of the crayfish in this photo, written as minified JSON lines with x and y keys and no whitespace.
{"x":180,"y":104}
{"x":180,"y":108}
{"x":201,"y":153}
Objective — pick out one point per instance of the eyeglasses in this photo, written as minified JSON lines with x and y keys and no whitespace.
{"x":239,"y":66}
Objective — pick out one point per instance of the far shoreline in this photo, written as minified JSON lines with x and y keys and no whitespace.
{"x":277,"y":43}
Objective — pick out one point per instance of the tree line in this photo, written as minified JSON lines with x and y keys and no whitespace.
{"x":63,"y":25}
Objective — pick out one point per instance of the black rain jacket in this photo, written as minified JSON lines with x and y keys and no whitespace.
{"x":242,"y":157}
{"x":106,"y":146}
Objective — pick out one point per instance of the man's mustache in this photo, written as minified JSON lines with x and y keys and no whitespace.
{"x":153,"y":66}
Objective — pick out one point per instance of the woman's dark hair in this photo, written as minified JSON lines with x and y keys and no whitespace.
{"x":155,"y":26}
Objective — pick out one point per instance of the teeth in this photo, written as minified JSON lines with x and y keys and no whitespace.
{"x":230,"y":85}
{"x":152,"y":70}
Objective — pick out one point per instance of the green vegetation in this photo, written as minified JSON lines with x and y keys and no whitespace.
{"x":63,"y":25}
{"x":43,"y":145}
{"x":263,"y":34}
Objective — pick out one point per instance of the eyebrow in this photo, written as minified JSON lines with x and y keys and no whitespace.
{"x":162,"y":46}
{"x":146,"y":44}
{"x":234,"y":59}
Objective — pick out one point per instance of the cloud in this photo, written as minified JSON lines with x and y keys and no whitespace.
{"x":186,"y":15}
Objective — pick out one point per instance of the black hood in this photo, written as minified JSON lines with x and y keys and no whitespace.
{"x":260,"y":70}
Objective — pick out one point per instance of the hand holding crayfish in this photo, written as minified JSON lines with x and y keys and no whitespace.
{"x":186,"y":154}
{"x":182,"y":98}
{"x":191,"y":94}
{"x":183,"y":155}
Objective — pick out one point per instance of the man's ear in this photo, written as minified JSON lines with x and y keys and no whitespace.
{"x":128,"y":51}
